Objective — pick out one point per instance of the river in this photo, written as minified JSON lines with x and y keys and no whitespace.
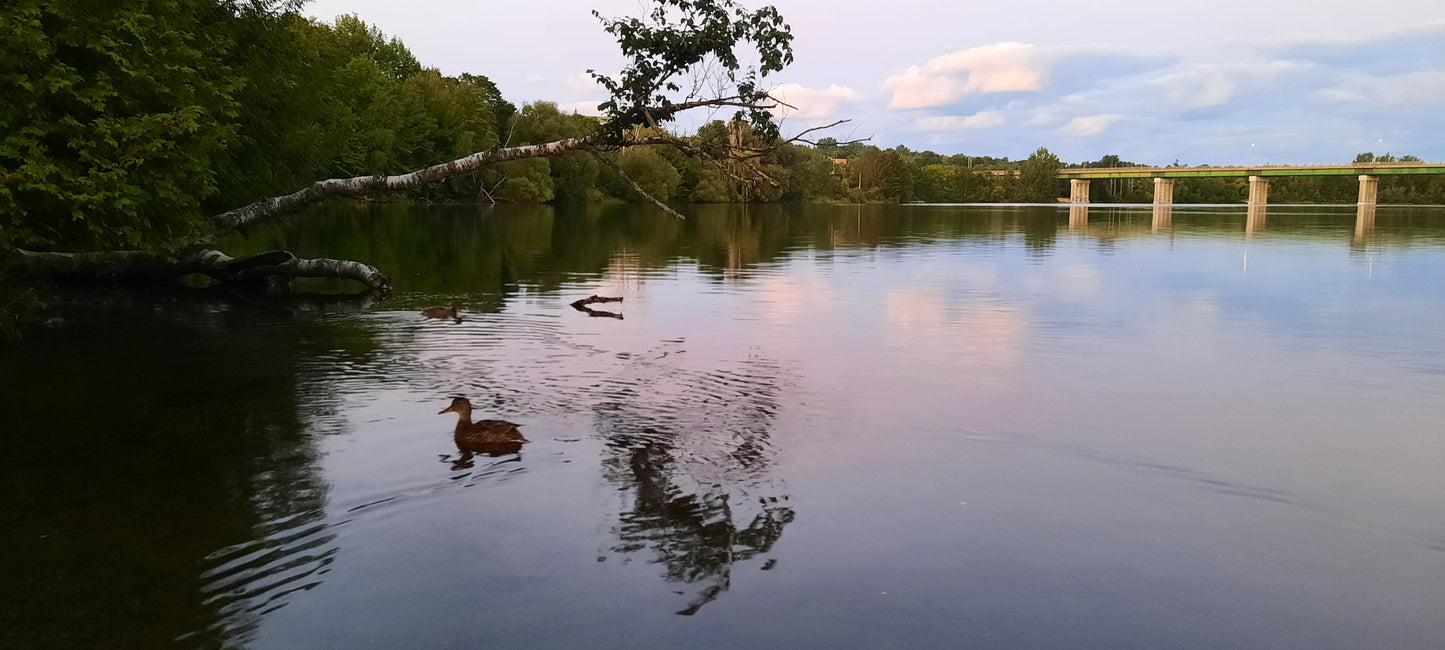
{"x":807,"y":426}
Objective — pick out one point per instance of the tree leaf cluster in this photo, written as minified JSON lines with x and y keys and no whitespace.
{"x":678,"y":37}
{"x":125,"y":125}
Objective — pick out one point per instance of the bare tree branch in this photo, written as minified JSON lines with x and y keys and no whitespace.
{"x":799,"y":137}
{"x":613,"y":166}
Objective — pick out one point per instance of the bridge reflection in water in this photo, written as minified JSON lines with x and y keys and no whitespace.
{"x":1256,"y":219}
{"x":1364,"y":220}
{"x":1163,"y":218}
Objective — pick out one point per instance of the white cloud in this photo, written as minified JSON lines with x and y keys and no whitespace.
{"x":1207,"y":85}
{"x":1338,"y":95}
{"x":1089,"y":125}
{"x":1199,"y":89}
{"x":813,"y":104}
{"x":980,"y":120}
{"x":1419,"y":89}
{"x":996,"y":68}
{"x":583,"y":84}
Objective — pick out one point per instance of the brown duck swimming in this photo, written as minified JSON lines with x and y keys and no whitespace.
{"x":482,"y":432}
{"x":442,"y":312}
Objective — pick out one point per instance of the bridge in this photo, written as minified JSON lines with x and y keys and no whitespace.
{"x":1368,"y":173}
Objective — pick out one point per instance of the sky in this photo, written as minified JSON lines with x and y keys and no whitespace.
{"x":1224,"y":82}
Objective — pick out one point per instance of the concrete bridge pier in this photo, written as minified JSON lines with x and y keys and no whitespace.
{"x":1163,"y":191}
{"x":1078,"y":190}
{"x":1258,"y":190}
{"x":1369,"y":189}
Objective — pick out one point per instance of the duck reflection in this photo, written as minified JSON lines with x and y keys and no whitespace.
{"x":466,"y":458}
{"x":694,"y":468}
{"x":467,"y":453}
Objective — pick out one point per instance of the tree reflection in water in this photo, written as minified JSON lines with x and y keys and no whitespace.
{"x":692,"y":450}
{"x":198,"y":458}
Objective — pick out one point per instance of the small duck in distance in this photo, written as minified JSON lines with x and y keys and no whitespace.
{"x":442,"y":312}
{"x":482,"y":432}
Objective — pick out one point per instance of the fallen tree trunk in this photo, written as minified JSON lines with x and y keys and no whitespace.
{"x":135,"y":265}
{"x":364,"y":186}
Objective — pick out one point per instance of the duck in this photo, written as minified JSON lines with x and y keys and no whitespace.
{"x":482,"y":432}
{"x":442,"y":312}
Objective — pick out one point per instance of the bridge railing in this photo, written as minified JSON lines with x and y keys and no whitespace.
{"x":1358,"y":169}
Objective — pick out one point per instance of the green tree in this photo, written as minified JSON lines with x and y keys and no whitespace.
{"x":881,"y":175}
{"x":648,"y":169}
{"x":574,"y":175}
{"x":113,"y":115}
{"x":1038,"y":180}
{"x":525,"y":181}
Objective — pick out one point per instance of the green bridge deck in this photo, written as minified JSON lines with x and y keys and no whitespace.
{"x":1368,"y":169}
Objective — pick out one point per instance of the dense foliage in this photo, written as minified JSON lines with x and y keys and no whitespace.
{"x":126,"y":124}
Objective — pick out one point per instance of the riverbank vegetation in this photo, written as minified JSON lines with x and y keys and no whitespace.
{"x":141,"y":127}
{"x":127,"y":125}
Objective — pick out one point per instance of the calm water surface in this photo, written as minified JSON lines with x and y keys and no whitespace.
{"x":917,"y":426}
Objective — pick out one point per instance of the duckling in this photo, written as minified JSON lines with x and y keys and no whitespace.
{"x":442,"y":312}
{"x":481,"y":432}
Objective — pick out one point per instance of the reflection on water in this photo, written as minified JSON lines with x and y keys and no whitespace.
{"x":178,"y":494}
{"x":1163,"y":218}
{"x":1254,"y":218}
{"x":1016,"y":425}
{"x":1364,"y":220}
{"x":692,"y":450}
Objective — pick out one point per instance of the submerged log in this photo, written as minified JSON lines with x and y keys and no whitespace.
{"x":136,"y":265}
{"x":581,"y":305}
{"x":594,"y":299}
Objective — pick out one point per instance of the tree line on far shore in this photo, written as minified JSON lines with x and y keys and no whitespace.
{"x":901,"y":175}
{"x":126,"y":125}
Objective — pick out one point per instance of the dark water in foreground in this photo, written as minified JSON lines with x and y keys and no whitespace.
{"x":816,"y":427}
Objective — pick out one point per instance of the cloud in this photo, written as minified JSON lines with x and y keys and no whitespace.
{"x":1210,"y":85}
{"x":980,"y":120}
{"x":1089,"y":125}
{"x":1420,"y":89}
{"x":584,"y":84}
{"x":1389,"y":53}
{"x":813,"y":104}
{"x":1014,"y":67}
{"x":1199,"y":88}
{"x":996,"y":68}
